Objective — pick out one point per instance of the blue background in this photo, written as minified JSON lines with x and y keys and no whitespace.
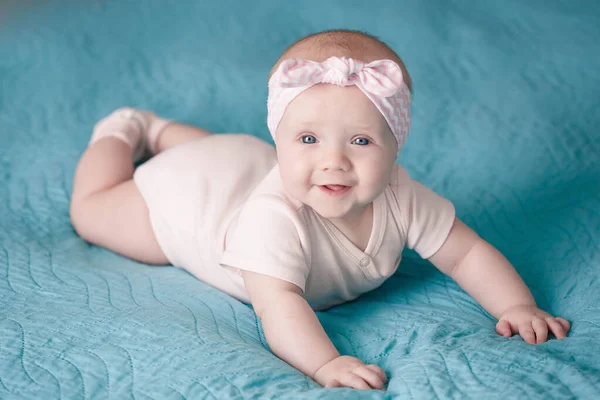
{"x":506,"y":124}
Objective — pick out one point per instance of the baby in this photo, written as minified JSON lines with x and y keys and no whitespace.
{"x":316,"y":221}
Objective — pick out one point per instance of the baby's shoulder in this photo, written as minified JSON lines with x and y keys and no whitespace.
{"x":268,"y":216}
{"x":404,"y":192}
{"x":270,"y":199}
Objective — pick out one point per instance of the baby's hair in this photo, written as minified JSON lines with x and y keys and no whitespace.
{"x":342,"y":43}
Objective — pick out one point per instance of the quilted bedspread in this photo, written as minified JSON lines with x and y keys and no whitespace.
{"x":506,"y":124}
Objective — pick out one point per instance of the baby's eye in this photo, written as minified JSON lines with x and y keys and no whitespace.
{"x":308,"y":139}
{"x":361,"y":141}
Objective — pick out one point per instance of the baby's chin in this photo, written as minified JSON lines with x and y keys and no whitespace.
{"x":330,"y":213}
{"x":333,"y":211}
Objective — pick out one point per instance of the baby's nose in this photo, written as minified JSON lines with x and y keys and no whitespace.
{"x":335,"y":160}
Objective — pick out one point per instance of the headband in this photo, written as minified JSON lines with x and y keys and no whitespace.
{"x":381,"y":81}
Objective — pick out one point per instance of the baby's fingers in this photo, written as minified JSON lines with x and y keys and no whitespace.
{"x":378,"y":371}
{"x":371,"y":377}
{"x":333,"y":384}
{"x":503,"y":328}
{"x":541,"y":330}
{"x":352,"y":381}
{"x":558,"y":327}
{"x":564,"y":323}
{"x":526,"y":332}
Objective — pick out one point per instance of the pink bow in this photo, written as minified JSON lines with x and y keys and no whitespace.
{"x":381,"y":77}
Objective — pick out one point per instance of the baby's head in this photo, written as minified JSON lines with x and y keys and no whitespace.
{"x":337,"y":142}
{"x":342,"y":43}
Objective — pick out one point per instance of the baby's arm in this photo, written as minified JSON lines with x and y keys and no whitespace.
{"x":484,"y":273}
{"x":296,"y":336}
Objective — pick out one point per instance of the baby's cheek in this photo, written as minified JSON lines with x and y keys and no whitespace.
{"x":377,"y":173}
{"x":294,"y":180}
{"x":378,"y":180}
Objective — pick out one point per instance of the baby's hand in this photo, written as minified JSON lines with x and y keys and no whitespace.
{"x":346,"y":371}
{"x":532,"y":324}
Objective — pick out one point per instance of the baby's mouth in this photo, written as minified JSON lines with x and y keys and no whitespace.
{"x":335,"y":190}
{"x":335,"y":187}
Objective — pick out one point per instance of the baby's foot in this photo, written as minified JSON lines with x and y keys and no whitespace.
{"x":139,"y":129}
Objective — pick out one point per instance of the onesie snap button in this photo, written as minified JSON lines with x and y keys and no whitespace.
{"x":364,"y":262}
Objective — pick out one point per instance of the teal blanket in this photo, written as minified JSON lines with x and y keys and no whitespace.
{"x":506,"y":125}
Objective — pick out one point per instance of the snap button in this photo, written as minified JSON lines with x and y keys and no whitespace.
{"x":364,"y":262}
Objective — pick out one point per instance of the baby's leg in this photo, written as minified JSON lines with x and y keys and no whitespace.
{"x":107,"y":208}
{"x":176,"y":133}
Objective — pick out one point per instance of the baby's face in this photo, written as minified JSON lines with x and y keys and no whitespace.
{"x":336,"y":151}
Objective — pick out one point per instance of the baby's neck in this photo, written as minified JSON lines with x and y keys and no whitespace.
{"x":357,"y":228}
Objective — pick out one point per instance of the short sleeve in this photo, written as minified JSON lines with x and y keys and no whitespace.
{"x":427,"y":217}
{"x":268,"y":238}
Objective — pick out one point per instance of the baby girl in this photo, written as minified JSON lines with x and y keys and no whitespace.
{"x":316,"y":221}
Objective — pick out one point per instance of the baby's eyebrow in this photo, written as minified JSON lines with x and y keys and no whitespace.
{"x":365,"y":127}
{"x":302,"y":125}
{"x":308,"y":122}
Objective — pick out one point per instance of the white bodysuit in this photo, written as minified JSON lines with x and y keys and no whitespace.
{"x":217,"y":206}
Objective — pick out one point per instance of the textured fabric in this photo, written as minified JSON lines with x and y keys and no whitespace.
{"x":505,"y":124}
{"x":381,"y":81}
{"x":275,"y":235}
